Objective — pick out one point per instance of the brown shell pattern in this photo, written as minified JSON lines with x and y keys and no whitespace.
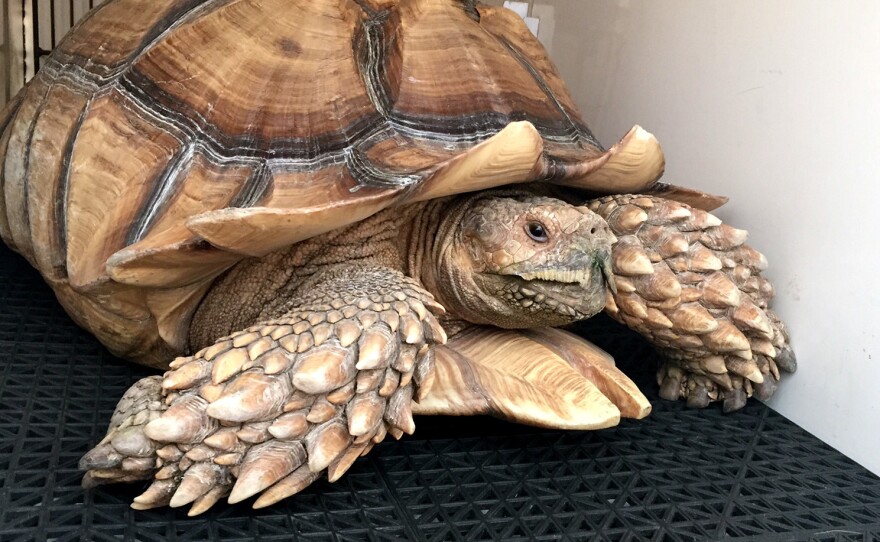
{"x":164,"y":140}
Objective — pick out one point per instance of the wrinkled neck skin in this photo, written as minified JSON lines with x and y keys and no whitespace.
{"x":437,"y":258}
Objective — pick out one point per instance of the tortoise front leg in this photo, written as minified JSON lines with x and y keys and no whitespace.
{"x":690,"y":285}
{"x":269,"y":409}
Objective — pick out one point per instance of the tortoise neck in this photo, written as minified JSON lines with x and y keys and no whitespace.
{"x":418,"y":239}
{"x":431,"y":246}
{"x":259,"y":289}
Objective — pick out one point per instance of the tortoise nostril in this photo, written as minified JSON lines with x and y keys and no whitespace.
{"x":593,"y":230}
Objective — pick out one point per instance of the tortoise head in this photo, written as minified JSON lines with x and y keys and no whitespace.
{"x":522,"y":261}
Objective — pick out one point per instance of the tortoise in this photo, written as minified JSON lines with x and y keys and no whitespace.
{"x":323,"y":217}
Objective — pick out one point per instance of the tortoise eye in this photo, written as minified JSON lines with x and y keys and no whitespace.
{"x":537,"y":231}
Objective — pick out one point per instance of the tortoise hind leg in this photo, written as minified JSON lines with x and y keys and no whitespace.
{"x":267,"y":410}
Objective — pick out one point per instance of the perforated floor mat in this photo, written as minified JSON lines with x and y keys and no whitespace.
{"x":678,"y":475}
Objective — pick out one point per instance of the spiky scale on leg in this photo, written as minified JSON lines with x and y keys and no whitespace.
{"x":279,"y":405}
{"x":266,"y":464}
{"x":290,"y":485}
{"x":719,"y":339}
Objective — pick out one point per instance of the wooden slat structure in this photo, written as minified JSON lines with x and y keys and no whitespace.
{"x":29,"y":30}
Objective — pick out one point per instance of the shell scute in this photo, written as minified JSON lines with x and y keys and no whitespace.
{"x":263,"y":76}
{"x":109,"y":37}
{"x":53,"y":134}
{"x":18,"y":135}
{"x":118,"y":159}
{"x":461,"y":101}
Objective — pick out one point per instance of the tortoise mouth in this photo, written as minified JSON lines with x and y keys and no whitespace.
{"x":578,"y":294}
{"x":561,"y":276}
{"x":591,"y":276}
{"x":555,"y":296}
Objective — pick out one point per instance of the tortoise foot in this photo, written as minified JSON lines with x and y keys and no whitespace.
{"x":126,"y":454}
{"x":732,"y":381}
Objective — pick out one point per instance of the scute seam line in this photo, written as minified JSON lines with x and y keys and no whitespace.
{"x":60,"y":207}
{"x":580,"y":131}
{"x":163,"y":190}
{"x":254,"y":188}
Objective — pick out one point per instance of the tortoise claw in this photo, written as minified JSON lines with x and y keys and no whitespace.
{"x":698,"y":397}
{"x":765,"y":390}
{"x":734,"y":400}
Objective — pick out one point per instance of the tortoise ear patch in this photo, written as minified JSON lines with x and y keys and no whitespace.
{"x":521,"y":377}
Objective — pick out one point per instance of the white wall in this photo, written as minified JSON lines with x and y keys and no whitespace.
{"x":775,"y":103}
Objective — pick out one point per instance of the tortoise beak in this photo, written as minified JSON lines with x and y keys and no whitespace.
{"x":602,"y":262}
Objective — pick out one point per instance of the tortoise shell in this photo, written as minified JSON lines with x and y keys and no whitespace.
{"x":165,"y":140}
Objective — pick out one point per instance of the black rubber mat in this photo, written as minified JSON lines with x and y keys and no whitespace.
{"x":678,"y":475}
